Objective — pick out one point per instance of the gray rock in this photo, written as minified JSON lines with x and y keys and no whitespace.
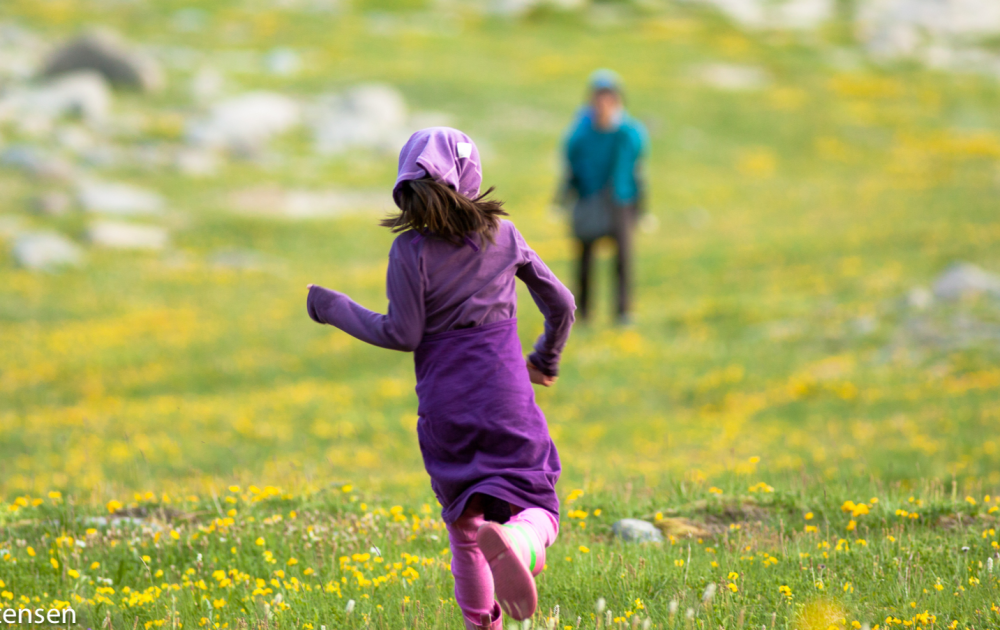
{"x":520,"y":8}
{"x":308,"y":204}
{"x":927,"y":30}
{"x":104,"y":51}
{"x":919,"y":298}
{"x":19,"y":51}
{"x":733,"y":77}
{"x":195,"y":162}
{"x":46,"y":251}
{"x":118,"y":199}
{"x":776,"y":14}
{"x":283,"y":62}
{"x":189,"y":20}
{"x":240,"y":259}
{"x":117,"y":235}
{"x":10,"y":226}
{"x":84,"y":94}
{"x":244,"y":124}
{"x":963,"y":280}
{"x":635,"y":530}
{"x":206,"y":84}
{"x":37,"y":163}
{"x":371,"y":116}
{"x":51,"y":204}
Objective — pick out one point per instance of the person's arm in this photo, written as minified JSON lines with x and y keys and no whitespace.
{"x":555,"y":302}
{"x":630,"y":149}
{"x":401,"y":329}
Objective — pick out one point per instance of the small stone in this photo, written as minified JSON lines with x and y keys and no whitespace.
{"x":118,"y":199}
{"x":207,"y":84}
{"x":51,"y":204}
{"x":283,"y":62}
{"x":635,"y":530}
{"x":37,"y":163}
{"x":197,"y":163}
{"x":733,"y":77}
{"x":119,"y":235}
{"x":919,"y":298}
{"x":105,"y":52}
{"x":46,"y":251}
{"x":963,"y":280}
{"x":239,"y":259}
{"x":189,"y":20}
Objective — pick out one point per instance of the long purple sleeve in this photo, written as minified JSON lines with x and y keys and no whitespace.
{"x":435,"y":286}
{"x":401,"y":329}
{"x":555,"y":302}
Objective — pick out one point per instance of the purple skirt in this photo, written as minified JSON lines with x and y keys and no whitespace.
{"x":480,"y":430}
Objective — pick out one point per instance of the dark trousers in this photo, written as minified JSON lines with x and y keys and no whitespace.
{"x":624,"y":226}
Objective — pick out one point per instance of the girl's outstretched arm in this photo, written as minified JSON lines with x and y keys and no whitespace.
{"x":401,"y":329}
{"x":555,"y":302}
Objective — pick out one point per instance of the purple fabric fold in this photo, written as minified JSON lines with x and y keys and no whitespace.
{"x":479,"y":428}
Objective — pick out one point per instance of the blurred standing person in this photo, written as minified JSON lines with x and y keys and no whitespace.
{"x":604,"y":149}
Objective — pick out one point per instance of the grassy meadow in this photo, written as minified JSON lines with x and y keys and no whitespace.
{"x":180,"y":446}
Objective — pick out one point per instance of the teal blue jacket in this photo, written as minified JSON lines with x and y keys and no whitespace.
{"x":598,"y":158}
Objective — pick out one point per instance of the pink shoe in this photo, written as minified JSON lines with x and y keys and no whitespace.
{"x":486,"y":622}
{"x":512,"y":579}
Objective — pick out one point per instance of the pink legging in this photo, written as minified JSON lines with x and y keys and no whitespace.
{"x":473,"y":580}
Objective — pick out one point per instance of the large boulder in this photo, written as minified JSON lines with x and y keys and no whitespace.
{"x":963,"y":280}
{"x":84,"y":94}
{"x":118,"y":199}
{"x":37,"y":162}
{"x":776,"y":14}
{"x":46,"y":251}
{"x":367,"y":116}
{"x":893,"y":29}
{"x":245,"y":123}
{"x":118,"y":235}
{"x":105,"y":52}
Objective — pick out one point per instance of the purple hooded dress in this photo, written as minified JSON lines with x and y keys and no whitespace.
{"x":455,"y":307}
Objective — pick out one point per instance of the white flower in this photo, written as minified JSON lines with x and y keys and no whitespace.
{"x":673,"y":606}
{"x":689,"y":613}
{"x":350,"y":606}
{"x":709,"y":593}
{"x":601,"y":605}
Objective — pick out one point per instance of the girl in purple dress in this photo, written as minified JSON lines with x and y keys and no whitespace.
{"x":453,"y":303}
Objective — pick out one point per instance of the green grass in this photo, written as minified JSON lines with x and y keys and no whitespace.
{"x":789,"y":217}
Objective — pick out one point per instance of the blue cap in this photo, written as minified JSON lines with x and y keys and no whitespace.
{"x":605,"y":79}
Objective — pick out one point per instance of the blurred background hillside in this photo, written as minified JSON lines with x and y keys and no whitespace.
{"x":817,"y":297}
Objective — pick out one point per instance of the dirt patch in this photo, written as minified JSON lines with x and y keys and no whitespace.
{"x":707,"y":519}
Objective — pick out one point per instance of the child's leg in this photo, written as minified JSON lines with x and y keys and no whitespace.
{"x":516,"y":553}
{"x":535,"y":529}
{"x":473,"y":580}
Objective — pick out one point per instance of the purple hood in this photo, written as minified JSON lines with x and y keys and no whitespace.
{"x":447,"y":155}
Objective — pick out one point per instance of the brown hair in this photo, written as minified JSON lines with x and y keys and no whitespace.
{"x":430,"y":206}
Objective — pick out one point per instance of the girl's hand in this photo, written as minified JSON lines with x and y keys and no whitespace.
{"x":538,"y":378}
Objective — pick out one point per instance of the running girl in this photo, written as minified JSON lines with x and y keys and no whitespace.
{"x":452,"y":301}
